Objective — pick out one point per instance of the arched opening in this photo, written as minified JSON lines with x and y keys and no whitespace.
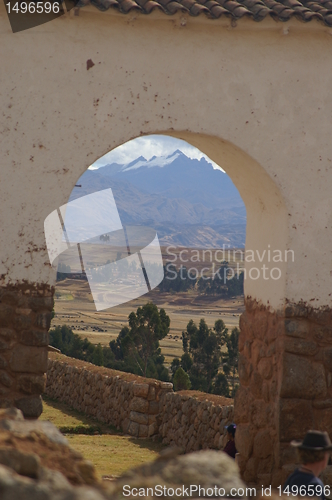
{"x":266,"y":234}
{"x":179,"y":211}
{"x":264,"y":269}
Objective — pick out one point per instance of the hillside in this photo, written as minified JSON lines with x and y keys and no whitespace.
{"x":186,"y":200}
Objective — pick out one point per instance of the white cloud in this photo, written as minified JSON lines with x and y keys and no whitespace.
{"x":149,"y":146}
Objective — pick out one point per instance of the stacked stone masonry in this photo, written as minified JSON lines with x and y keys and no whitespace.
{"x":127,"y":404}
{"x":193,"y":425}
{"x":25,"y":316}
{"x":285,"y":371}
{"x":141,"y":408}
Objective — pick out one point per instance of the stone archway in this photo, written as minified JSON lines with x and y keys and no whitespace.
{"x":265,"y":211}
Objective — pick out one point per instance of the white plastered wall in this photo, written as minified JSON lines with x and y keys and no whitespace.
{"x":256,"y":98}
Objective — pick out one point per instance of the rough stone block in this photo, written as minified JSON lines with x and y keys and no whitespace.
{"x":31,"y":407}
{"x":258,"y":351}
{"x":6,"y":314}
{"x":133,"y":429}
{"x":251,"y":470}
{"x":152,"y":419}
{"x":143,"y":430}
{"x":152,"y":393}
{"x":287,"y":454}
{"x":327,"y":357}
{"x":33,"y":337}
{"x":260,"y":325}
{"x":23,"y":463}
{"x":322,"y":404}
{"x":140,"y":405}
{"x":87,"y":472}
{"x":43,"y":320}
{"x":153,"y":429}
{"x":295,"y":418}
{"x":271,"y":350}
{"x":244,"y":370}
{"x":265,"y":465}
{"x":140,"y":418}
{"x":125,"y":424}
{"x":166,"y":385}
{"x":11,"y":414}
{"x":323,"y":420}
{"x":153,"y":407}
{"x":244,"y":439}
{"x":22,"y":320}
{"x":302,"y":377}
{"x":5,"y":379}
{"x":243,"y":400}
{"x":24,"y":428}
{"x":265,"y":368}
{"x":295,"y":328}
{"x":247,"y":349}
{"x":256,"y":385}
{"x":323,"y":334}
{"x":3,"y":362}
{"x":259,"y":413}
{"x":141,"y":390}
{"x":263,"y":444}
{"x":29,"y":359}
{"x":7,"y":333}
{"x":300,"y":346}
{"x":38,"y":303}
{"x":31,"y":384}
{"x":4,"y":345}
{"x":266,"y":392}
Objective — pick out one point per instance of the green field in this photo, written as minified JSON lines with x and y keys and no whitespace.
{"x":111,"y":452}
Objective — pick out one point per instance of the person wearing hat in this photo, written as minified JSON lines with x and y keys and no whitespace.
{"x":314,"y":452}
{"x":230,"y":445}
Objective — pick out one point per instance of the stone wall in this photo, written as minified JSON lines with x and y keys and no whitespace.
{"x":193,"y":424}
{"x":138,"y":406}
{"x":25,"y":316}
{"x":123,"y":400}
{"x":285,"y":371}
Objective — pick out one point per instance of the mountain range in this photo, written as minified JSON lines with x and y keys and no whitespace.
{"x":188,"y":201}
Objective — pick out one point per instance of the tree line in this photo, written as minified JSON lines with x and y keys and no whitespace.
{"x":210,"y":359}
{"x":209,"y":362}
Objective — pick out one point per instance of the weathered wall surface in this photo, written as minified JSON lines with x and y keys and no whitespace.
{"x":192,"y":424}
{"x":140,"y":407}
{"x":25,"y":317}
{"x":285,"y":371}
{"x":129,"y":403}
{"x":255,"y":97}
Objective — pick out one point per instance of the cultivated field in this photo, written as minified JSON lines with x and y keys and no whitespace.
{"x":74,"y":306}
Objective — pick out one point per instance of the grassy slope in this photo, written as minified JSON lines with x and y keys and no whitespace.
{"x":112,"y":453}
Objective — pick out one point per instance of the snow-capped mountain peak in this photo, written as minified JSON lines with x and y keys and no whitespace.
{"x":160,"y":161}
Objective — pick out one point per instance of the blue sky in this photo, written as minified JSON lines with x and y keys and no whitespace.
{"x":149,"y":146}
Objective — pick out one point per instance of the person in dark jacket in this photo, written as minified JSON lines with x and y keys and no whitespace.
{"x":314,"y":452}
{"x":230,"y":448}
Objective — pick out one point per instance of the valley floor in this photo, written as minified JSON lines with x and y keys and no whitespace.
{"x":75,"y":308}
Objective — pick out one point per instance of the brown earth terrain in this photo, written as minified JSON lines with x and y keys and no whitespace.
{"x":74,"y":305}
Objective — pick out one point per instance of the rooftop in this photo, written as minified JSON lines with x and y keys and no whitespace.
{"x":257,"y":10}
